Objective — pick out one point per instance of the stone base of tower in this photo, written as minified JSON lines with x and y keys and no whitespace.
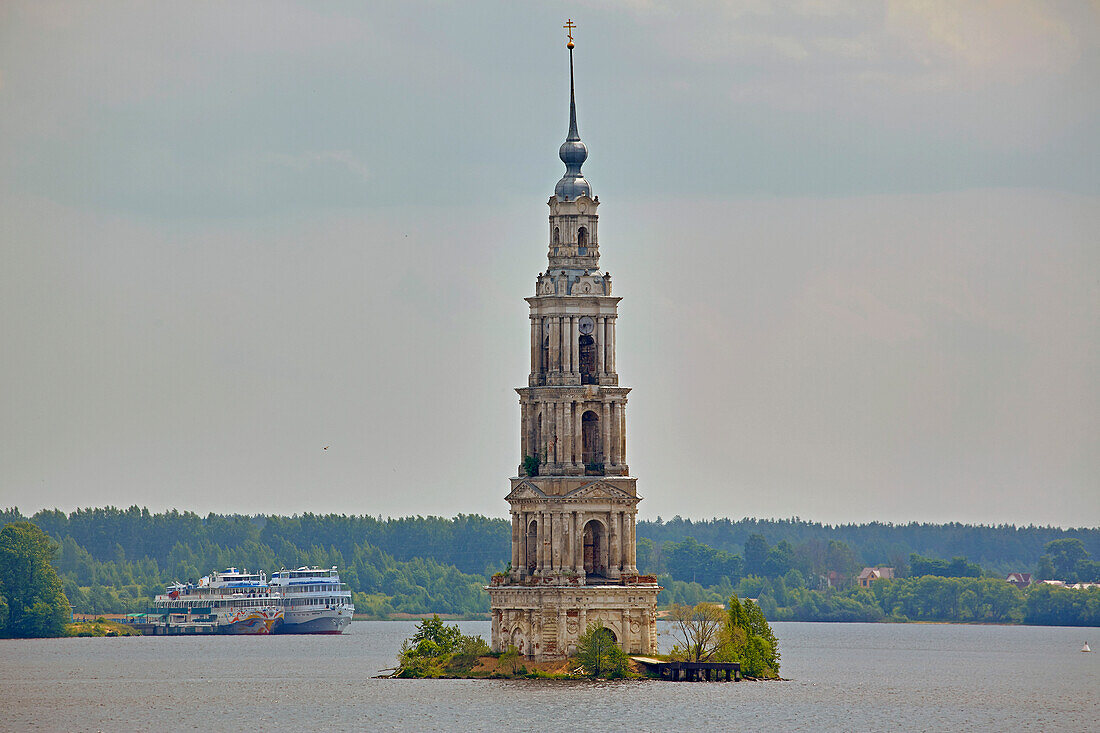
{"x":544,"y":621}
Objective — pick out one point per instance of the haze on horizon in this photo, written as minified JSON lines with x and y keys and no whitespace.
{"x":857,"y":244}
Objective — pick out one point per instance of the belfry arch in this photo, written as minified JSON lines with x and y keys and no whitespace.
{"x":532,"y":546}
{"x":587,"y":365}
{"x":594,"y":540}
{"x":590,"y":438}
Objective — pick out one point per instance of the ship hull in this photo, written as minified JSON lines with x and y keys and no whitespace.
{"x":321,"y":625}
{"x":253,"y":623}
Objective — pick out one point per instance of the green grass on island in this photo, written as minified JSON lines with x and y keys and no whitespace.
{"x":100,"y":627}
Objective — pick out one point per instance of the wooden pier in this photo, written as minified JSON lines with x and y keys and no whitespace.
{"x":693,"y":671}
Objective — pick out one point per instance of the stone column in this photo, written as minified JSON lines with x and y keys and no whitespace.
{"x":539,"y":524}
{"x":536,"y":344}
{"x":578,"y":435}
{"x":561,"y":630}
{"x":495,"y":632}
{"x":555,"y":346}
{"x":532,"y":409}
{"x":559,"y":429}
{"x":549,"y":428}
{"x":625,"y":642}
{"x":576,"y":348}
{"x":578,"y":560}
{"x":606,"y":430}
{"x":582,"y":619}
{"x":522,"y":432}
{"x":567,"y":433}
{"x":515,"y":541}
{"x":548,"y":544}
{"x":522,"y":567}
{"x":622,"y":432}
{"x":555,"y":544}
{"x":614,"y":562}
{"x":605,"y":551}
{"x":565,"y":331}
{"x":604,"y":328}
{"x":567,"y":343}
{"x":647,"y":641}
{"x":611,"y":344}
{"x":598,"y":336}
{"x":616,"y":430}
{"x":632,"y":548}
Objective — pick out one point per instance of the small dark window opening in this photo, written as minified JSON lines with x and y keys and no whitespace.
{"x":557,"y":236}
{"x":582,"y":241}
{"x":591,"y":452}
{"x":588,"y":360}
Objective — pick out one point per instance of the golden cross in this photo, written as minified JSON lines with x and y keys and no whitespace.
{"x":569,"y":26}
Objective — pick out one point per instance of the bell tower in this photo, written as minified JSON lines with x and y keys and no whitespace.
{"x":573,"y":501}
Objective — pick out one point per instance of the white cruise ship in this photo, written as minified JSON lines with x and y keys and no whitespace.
{"x":314,"y":601}
{"x":229,"y":602}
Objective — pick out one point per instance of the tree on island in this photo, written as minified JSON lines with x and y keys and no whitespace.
{"x":438,"y":650}
{"x":749,"y":639}
{"x":32,"y":603}
{"x":698,"y":630}
{"x":740,"y":634}
{"x":598,"y":653}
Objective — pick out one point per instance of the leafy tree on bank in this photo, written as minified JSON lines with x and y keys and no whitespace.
{"x":748,"y":639}
{"x":1068,"y":560}
{"x":31,"y":591}
{"x":598,"y":653}
{"x":958,"y":567}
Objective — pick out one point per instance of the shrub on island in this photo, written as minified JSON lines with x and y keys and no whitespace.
{"x":438,"y":650}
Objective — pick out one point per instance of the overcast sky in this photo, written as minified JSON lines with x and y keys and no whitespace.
{"x":858,"y":245}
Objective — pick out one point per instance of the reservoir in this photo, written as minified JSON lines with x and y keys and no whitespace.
{"x":870,"y":677}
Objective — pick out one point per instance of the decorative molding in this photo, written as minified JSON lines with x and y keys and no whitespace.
{"x":526,"y":490}
{"x":599,"y":490}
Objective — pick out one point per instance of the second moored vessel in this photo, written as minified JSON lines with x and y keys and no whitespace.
{"x":314,"y":601}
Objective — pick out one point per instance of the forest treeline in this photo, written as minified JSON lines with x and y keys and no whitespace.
{"x":113,"y":559}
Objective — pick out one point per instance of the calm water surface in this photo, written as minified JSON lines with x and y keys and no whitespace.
{"x":843,"y":677}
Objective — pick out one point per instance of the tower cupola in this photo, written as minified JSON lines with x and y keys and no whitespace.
{"x":572,"y":152}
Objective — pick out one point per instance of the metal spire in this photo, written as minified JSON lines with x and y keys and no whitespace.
{"x":572,"y":152}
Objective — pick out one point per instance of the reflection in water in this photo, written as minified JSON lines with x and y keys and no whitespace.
{"x":844,"y":676}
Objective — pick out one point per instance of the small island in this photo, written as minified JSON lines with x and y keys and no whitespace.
{"x":707,"y":634}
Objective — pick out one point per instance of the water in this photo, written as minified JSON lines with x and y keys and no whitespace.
{"x":865,"y":677}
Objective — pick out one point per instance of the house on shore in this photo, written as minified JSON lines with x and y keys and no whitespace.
{"x":870,"y":575}
{"x":1020,"y":580}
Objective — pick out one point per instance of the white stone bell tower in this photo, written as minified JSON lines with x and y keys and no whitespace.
{"x":573,"y":501}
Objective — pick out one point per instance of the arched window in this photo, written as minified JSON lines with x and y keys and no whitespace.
{"x":582,"y":241}
{"x":545,"y":365}
{"x":557,"y":237}
{"x":532,"y":546}
{"x":595,"y":547}
{"x":588,"y":360}
{"x":590,"y":442}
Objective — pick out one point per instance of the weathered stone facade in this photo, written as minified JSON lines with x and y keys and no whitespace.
{"x":573,"y":503}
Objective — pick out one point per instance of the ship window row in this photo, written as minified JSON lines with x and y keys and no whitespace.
{"x":316,"y":601}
